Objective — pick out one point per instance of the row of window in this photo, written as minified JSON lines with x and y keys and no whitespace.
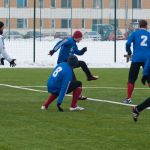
{"x":65,"y":23}
{"x":67,"y":3}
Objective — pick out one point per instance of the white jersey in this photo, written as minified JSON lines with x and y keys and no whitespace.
{"x":3,"y":53}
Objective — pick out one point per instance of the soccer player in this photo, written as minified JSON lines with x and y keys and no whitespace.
{"x":137,"y":109}
{"x":60,"y":82}
{"x":68,"y":47}
{"x":3,"y":53}
{"x":141,"y":50}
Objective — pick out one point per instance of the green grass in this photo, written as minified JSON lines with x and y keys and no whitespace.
{"x":102,"y":126}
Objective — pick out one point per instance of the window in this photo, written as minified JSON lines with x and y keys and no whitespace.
{"x":53,"y":23}
{"x":135,"y":20}
{"x":7,"y":23}
{"x":83,"y":23}
{"x":136,"y":3}
{"x":65,"y":3}
{"x":6,"y":3}
{"x":53,"y":3}
{"x":96,"y":21}
{"x":21,"y":23}
{"x":41,"y":2}
{"x":65,"y":23}
{"x":21,"y":3}
{"x":112,"y":22}
{"x":112,"y":3}
{"x":83,"y":3}
{"x":41,"y":23}
{"x":97,"y":3}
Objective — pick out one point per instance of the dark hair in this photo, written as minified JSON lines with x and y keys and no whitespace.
{"x":72,"y":60}
{"x":1,"y":24}
{"x":143,"y":24}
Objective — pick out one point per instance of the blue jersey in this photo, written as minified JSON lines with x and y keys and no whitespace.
{"x":67,"y":47}
{"x":59,"y":80}
{"x":146,"y":70}
{"x":141,"y":45}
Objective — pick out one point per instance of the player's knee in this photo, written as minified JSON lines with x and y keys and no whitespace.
{"x":82,"y":63}
{"x":79,"y":83}
{"x":131,"y":81}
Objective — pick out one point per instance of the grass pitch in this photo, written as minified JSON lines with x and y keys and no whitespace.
{"x":102,"y":126}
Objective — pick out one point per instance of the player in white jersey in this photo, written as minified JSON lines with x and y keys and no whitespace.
{"x":3,"y":54}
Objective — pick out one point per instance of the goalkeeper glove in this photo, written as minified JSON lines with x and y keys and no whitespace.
{"x":2,"y":61}
{"x":12,"y":63}
{"x":51,"y":52}
{"x":84,"y":49}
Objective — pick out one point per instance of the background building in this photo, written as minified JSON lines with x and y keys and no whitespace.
{"x":68,"y":15}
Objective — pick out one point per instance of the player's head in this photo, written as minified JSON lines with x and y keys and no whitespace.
{"x":143,"y":24}
{"x":1,"y":27}
{"x":77,"y":35}
{"x":72,"y":60}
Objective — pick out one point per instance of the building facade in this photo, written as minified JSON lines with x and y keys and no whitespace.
{"x":69,"y":15}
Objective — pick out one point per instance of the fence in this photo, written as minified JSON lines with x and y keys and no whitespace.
{"x":33,"y":27}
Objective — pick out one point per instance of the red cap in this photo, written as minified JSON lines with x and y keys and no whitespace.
{"x":77,"y":34}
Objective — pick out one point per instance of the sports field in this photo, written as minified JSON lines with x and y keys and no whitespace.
{"x":103,"y":125}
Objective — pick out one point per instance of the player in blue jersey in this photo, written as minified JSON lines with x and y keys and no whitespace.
{"x":141,"y":50}
{"x":146,"y":103}
{"x":60,"y":82}
{"x":68,"y":47}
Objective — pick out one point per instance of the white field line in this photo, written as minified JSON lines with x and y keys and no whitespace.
{"x":94,"y":87}
{"x":90,"y":99}
{"x":42,"y":91}
{"x":22,"y":88}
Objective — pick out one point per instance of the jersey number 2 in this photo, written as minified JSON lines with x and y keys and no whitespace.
{"x":144,"y":40}
{"x":55,"y":73}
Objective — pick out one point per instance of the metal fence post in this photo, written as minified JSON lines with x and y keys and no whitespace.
{"x":115,"y":31}
{"x":34,"y":31}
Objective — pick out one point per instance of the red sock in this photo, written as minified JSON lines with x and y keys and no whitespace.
{"x":51,"y":98}
{"x":130,"y":89}
{"x":149,"y":84}
{"x":76,"y":94}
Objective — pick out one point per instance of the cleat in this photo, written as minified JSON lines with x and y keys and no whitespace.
{"x":78,"y":108}
{"x":135,"y":114}
{"x":59,"y":108}
{"x":92,"y":78}
{"x":43,"y":108}
{"x":82,"y":97}
{"x":127,"y":101}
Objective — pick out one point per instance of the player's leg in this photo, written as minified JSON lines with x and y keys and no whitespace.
{"x":148,"y":80}
{"x":2,"y":60}
{"x":137,"y":109}
{"x":148,"y":76}
{"x":81,"y":97}
{"x":85,"y":68}
{"x":76,"y":88}
{"x":132,"y":77}
{"x":51,"y":97}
